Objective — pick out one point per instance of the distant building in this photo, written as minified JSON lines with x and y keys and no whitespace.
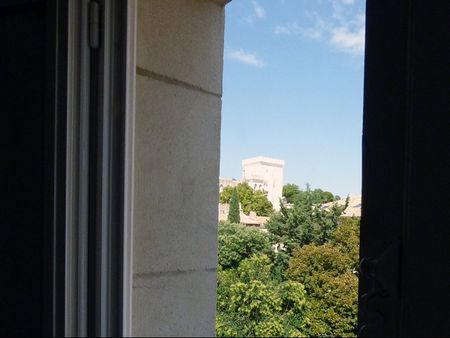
{"x":250,"y":220}
{"x":353,"y":209}
{"x":226,"y":182}
{"x":261,"y":173}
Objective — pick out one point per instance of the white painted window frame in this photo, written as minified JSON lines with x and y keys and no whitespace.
{"x":81,"y":318}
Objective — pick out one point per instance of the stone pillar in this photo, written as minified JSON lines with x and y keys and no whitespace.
{"x":177,"y":149}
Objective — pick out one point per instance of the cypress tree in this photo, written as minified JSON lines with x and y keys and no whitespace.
{"x":233,"y":213}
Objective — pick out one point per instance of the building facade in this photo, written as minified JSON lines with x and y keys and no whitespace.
{"x":264,"y":173}
{"x":261,"y":173}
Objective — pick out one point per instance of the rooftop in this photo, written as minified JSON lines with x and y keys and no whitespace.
{"x":263,"y":160}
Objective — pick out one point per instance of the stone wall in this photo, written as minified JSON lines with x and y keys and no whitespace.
{"x":177,"y":150}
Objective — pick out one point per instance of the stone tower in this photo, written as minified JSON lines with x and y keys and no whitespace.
{"x":263,"y":173}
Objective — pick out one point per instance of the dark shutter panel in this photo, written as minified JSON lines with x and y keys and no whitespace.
{"x":405,"y":230}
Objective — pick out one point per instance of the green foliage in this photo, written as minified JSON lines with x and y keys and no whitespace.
{"x":290,"y":191}
{"x":237,"y":242}
{"x":280,"y":264}
{"x":303,"y":224}
{"x":336,"y":312}
{"x":293,"y":194}
{"x":346,"y":238}
{"x":316,"y":265}
{"x":250,"y":303}
{"x":327,"y":221}
{"x":307,"y":287}
{"x":260,"y":204}
{"x":328,"y":273}
{"x":320,"y":196}
{"x":233,"y":213}
{"x":250,"y":200}
{"x":292,"y":227}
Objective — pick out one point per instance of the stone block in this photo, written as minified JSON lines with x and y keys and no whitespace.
{"x":175,"y":304}
{"x":177,"y":150}
{"x":182,"y":39}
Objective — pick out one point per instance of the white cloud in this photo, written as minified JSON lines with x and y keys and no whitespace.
{"x":282,"y":30}
{"x":248,"y":58}
{"x":288,"y":29}
{"x":350,"y":37}
{"x":315,"y":32}
{"x":260,"y":12}
{"x":347,"y":41}
{"x":348,"y":2}
{"x":344,"y":31}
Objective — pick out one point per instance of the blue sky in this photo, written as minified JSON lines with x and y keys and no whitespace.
{"x":293,"y":89}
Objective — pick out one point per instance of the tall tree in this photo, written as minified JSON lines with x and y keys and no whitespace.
{"x":303,"y":224}
{"x":233,"y":213}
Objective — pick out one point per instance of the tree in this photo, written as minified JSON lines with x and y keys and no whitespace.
{"x":293,"y":194}
{"x":290,"y":191}
{"x":225,"y":195}
{"x":346,"y":238}
{"x":320,"y":196}
{"x":316,"y":265}
{"x":331,"y":286}
{"x":260,"y":204}
{"x":238,"y":242}
{"x":335,"y":313}
{"x":311,"y":290}
{"x":329,"y":275}
{"x":303,"y":224}
{"x":233,"y":213}
{"x":250,"y":200}
{"x":329,"y":221}
{"x":292,"y":227}
{"x":250,"y":303}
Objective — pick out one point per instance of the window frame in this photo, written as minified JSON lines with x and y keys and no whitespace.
{"x":99,"y":194}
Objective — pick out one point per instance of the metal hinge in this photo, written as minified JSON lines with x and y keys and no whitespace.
{"x":94,"y":24}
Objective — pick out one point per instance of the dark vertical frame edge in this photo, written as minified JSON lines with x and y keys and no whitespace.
{"x":56,"y":110}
